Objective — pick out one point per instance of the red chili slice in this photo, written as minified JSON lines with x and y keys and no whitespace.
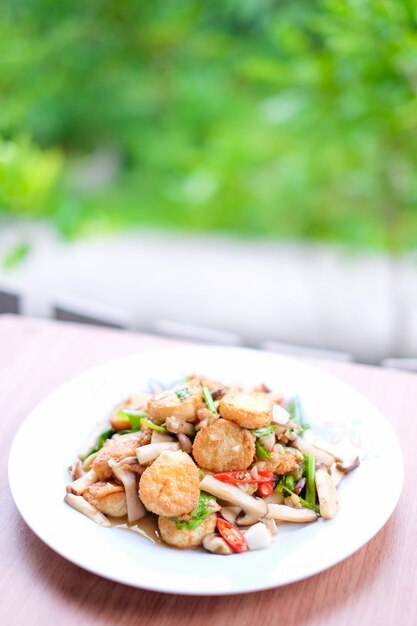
{"x":244,"y":477}
{"x":232,"y":535}
{"x":265,"y":489}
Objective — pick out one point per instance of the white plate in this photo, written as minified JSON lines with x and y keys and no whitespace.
{"x":53,"y":431}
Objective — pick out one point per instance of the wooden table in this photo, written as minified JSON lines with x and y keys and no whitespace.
{"x":376,"y":586}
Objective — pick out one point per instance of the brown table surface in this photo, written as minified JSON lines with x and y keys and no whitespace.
{"x":375,"y":586}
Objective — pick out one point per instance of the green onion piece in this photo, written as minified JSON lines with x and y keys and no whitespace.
{"x":260,"y":433}
{"x":310,"y":472}
{"x":261,"y":451}
{"x":100,"y":442}
{"x":182,"y":393}
{"x":289,"y":482}
{"x":282,"y":487}
{"x":135,"y":417}
{"x":198,"y":515}
{"x":208,"y":399}
{"x":160,"y":429}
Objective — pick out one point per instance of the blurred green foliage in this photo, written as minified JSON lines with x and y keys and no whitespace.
{"x":259,"y":117}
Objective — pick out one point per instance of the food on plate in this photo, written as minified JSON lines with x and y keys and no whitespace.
{"x":216,"y":466}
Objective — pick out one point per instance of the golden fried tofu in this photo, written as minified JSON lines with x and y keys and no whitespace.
{"x":170,"y":486}
{"x":224,"y":446}
{"x":249,"y":410}
{"x":117,"y":449}
{"x":108,"y":498}
{"x":182,"y":402}
{"x":186,"y":538}
{"x":138,"y":402}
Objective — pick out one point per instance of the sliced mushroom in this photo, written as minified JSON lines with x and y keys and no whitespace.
{"x":158,"y":437}
{"x":77,"y":470}
{"x":135,"y":508}
{"x":177,"y":425}
{"x":150,"y":452}
{"x":307,"y":448}
{"x":185,"y":443}
{"x":336,"y":475}
{"x":256,"y":507}
{"x":217,"y":545}
{"x":327,"y":494}
{"x":285,"y":513}
{"x":348,"y":466}
{"x":79,"y":504}
{"x":81,"y":484}
{"x":230,"y":513}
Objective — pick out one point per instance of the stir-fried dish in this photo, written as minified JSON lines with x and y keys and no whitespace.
{"x":219,"y":466}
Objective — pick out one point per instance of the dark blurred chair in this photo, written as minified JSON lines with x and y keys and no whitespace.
{"x":305,"y":351}
{"x":9,"y":302}
{"x":409,"y":365}
{"x":190,"y":332}
{"x":78,"y":310}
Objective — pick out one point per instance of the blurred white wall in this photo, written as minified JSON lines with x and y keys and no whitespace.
{"x":297,"y":293}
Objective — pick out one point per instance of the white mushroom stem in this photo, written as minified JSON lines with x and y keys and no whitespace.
{"x":326,"y":446}
{"x":158,"y":437}
{"x":177,"y":425}
{"x":147,"y":454}
{"x":77,"y":470}
{"x":336,"y":475}
{"x":256,"y":507}
{"x":81,"y":484}
{"x":285,"y":513}
{"x":79,"y":504}
{"x":327,"y":494}
{"x":135,"y":508}
{"x":320,"y":455}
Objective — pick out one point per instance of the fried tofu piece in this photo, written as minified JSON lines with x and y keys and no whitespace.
{"x":117,"y":449}
{"x":108,"y":498}
{"x":138,"y":401}
{"x":224,"y":446}
{"x":170,"y":486}
{"x":248,"y":410}
{"x":182,"y":402}
{"x":186,"y":538}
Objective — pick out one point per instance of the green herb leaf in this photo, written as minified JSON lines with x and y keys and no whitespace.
{"x":208,"y":399}
{"x":296,"y":412}
{"x":100,"y":442}
{"x":283,"y":487}
{"x":260,"y":433}
{"x":160,"y":429}
{"x":198,"y":515}
{"x":261,"y":451}
{"x":182,"y":393}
